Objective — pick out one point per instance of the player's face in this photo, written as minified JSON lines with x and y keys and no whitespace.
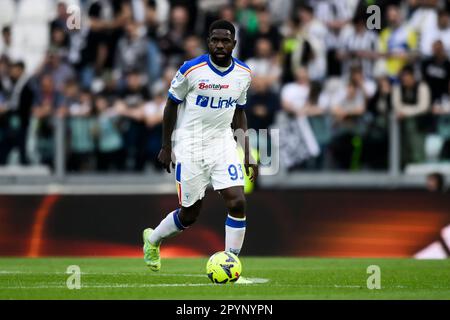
{"x":220,"y":45}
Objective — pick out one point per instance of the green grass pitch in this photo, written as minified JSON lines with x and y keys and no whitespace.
{"x":185,"y":278}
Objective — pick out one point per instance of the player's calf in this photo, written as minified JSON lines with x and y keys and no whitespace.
{"x":188,"y":215}
{"x":235,"y":224}
{"x":236,"y":206}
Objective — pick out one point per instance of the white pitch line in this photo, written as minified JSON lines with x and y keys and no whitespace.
{"x":6,"y":272}
{"x":109,"y":286}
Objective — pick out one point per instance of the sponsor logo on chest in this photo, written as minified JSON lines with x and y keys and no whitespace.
{"x":215,"y":102}
{"x":212,"y":86}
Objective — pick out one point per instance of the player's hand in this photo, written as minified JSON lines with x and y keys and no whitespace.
{"x":165,"y":157}
{"x":252,"y":174}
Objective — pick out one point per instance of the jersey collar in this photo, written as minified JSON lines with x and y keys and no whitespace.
{"x":217,"y":71}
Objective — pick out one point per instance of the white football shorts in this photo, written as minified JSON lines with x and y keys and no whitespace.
{"x":193,"y":176}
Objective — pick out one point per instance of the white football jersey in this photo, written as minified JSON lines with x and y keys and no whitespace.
{"x":207,"y":100}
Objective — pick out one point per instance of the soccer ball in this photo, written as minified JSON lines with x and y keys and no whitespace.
{"x":223,"y":267}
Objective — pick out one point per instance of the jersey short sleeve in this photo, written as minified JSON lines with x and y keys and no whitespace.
{"x":242,"y":100}
{"x":179,"y":87}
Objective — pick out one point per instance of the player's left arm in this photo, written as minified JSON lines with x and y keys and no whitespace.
{"x":240,"y":122}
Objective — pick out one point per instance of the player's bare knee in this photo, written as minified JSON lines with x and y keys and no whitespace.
{"x":237,"y":206}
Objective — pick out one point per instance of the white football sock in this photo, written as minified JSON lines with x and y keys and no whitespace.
{"x":168,"y":227}
{"x":234,"y":234}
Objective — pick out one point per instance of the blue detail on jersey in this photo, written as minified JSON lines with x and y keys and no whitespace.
{"x":202,"y":101}
{"x":241,"y":63}
{"x":173,"y":98}
{"x":235,"y":223}
{"x":217,"y":71}
{"x":188,"y":64}
{"x":215,"y":103}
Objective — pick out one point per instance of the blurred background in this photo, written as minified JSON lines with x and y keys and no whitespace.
{"x":361,"y":102}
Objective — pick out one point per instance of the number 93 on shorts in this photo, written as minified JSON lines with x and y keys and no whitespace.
{"x":192,"y":178}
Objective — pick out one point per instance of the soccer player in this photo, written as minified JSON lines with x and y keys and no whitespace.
{"x":206,"y":99}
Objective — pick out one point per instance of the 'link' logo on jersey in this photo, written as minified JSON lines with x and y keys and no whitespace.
{"x":204,"y":102}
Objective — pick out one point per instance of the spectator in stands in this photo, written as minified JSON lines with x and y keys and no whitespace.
{"x":264,"y":30}
{"x":411,"y":102}
{"x":436,"y":71}
{"x":59,"y":42}
{"x":99,"y":43}
{"x":6,"y":42}
{"x":59,"y":33}
{"x":433,"y":25}
{"x":171,"y":44}
{"x":294,"y":96}
{"x":47,"y":102}
{"x":443,"y":26}
{"x":153,"y":116}
{"x":297,"y":140}
{"x":441,"y":111}
{"x":60,"y":70}
{"x":193,"y":47}
{"x":109,"y":87}
{"x":335,"y":15}
{"x":131,"y":51}
{"x":60,"y":20}
{"x":318,"y":117}
{"x":152,"y":22}
{"x":398,"y":43}
{"x":290,"y":44}
{"x":265,"y":66}
{"x":375,"y":143}
{"x":262,"y":104}
{"x":107,"y":131}
{"x":5,"y":80}
{"x":130,"y":107}
{"x":246,"y":16}
{"x":360,"y":46}
{"x":78,"y":108}
{"x":347,"y":109}
{"x":366,"y":85}
{"x":153,"y":26}
{"x":435,"y":182}
{"x":16,"y":113}
{"x":315,"y":32}
{"x":227,"y":12}
{"x":280,"y":10}
{"x":422,"y":17}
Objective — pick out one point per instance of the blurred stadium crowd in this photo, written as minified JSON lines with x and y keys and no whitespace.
{"x":318,"y":72}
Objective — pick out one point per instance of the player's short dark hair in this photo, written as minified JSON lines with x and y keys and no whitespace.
{"x":222,"y":24}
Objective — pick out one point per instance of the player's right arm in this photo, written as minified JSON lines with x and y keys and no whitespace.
{"x":169,"y":121}
{"x":179,"y":88}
